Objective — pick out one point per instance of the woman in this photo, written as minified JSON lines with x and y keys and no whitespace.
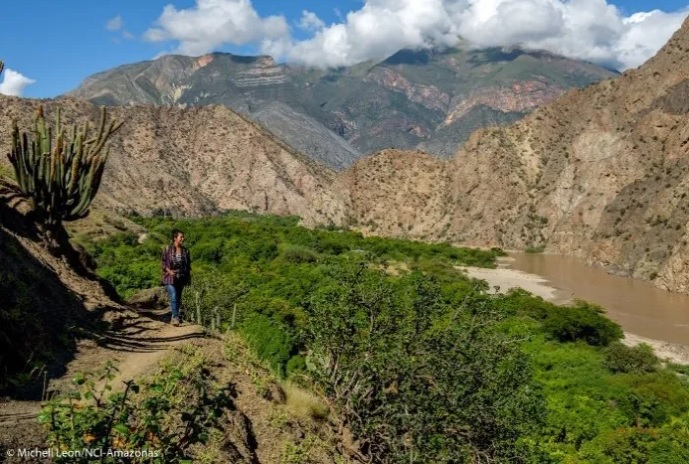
{"x":176,"y":272}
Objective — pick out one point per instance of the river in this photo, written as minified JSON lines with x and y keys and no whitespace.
{"x":638,"y":306}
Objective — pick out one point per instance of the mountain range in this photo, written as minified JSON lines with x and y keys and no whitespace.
{"x":425,"y":99}
{"x":600,"y":173}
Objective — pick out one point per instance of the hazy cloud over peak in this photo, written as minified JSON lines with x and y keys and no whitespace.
{"x":378,"y":29}
{"x":586,"y":29}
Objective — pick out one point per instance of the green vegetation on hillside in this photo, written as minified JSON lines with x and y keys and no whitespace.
{"x":420,"y":361}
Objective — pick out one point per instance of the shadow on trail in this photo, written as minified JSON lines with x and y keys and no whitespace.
{"x":160,"y":315}
{"x":145,"y":344}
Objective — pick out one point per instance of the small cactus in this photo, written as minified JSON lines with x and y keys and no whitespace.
{"x":60,"y":176}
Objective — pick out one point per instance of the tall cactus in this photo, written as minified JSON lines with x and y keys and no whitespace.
{"x":60,"y":177}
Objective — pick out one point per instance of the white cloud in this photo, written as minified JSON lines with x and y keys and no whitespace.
{"x":14,"y":83}
{"x":587,"y":29}
{"x":212,"y":23}
{"x":378,"y":29}
{"x":115,"y":24}
{"x":593,"y":30}
{"x":310,"y":21}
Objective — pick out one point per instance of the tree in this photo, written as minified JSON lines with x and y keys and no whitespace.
{"x":418,"y":378}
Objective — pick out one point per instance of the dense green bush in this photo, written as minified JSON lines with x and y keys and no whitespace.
{"x":299,"y":254}
{"x":583,"y":321}
{"x":418,"y":376}
{"x":269,"y":340}
{"x":635,"y":360}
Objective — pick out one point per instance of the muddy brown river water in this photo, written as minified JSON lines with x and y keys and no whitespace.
{"x":638,"y":306}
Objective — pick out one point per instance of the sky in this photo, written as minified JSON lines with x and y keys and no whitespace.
{"x":49,"y":47}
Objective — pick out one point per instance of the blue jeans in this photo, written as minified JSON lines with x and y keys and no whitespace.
{"x":175,"y":292}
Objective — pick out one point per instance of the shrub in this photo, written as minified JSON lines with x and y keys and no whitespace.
{"x":498,"y":251}
{"x":534,"y":249}
{"x":583,"y":321}
{"x":634,"y":360}
{"x":296,"y":365}
{"x":262,"y":251}
{"x":415,"y":376}
{"x":332,"y":245}
{"x":164,"y":416}
{"x":211,"y":250}
{"x":269,"y":340}
{"x":298,"y":255}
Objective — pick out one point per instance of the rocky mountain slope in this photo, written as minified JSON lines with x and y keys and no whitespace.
{"x":306,"y":135}
{"x":427,"y":99}
{"x":190,"y":161}
{"x":601,"y":173}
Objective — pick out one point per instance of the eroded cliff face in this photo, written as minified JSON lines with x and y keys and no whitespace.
{"x":428,"y":96}
{"x":519,"y":97}
{"x":396,"y":193}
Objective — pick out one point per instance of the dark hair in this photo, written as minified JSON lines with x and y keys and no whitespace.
{"x":176,"y":233}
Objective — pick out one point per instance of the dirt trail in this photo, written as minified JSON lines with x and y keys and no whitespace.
{"x":137,"y":344}
{"x":259,"y":429}
{"x":135,"y":349}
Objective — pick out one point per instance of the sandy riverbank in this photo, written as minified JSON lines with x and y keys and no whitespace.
{"x":510,"y":278}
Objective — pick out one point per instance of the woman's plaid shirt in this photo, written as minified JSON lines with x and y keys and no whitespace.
{"x":168,"y":259}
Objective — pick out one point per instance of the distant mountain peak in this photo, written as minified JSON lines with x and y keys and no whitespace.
{"x":434,"y":97}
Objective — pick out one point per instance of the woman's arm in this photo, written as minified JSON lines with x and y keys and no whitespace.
{"x":188,"y":267}
{"x":166,"y":262}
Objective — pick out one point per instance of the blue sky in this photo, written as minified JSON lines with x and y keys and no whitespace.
{"x":58,"y":44}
